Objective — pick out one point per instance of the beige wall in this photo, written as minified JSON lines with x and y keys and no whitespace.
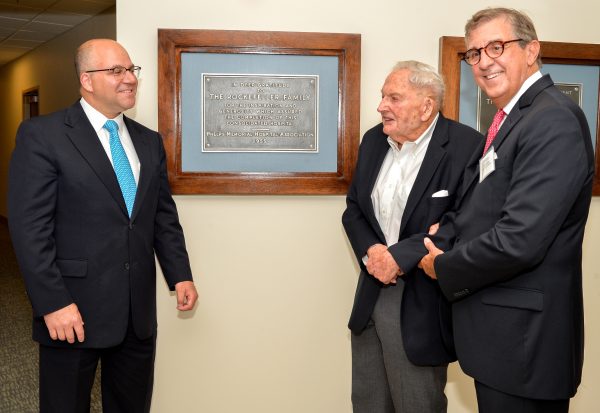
{"x":50,"y":69}
{"x":275,"y":274}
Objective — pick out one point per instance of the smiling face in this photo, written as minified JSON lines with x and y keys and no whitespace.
{"x":502,"y":77}
{"x":406,"y":111}
{"x":107,"y":93}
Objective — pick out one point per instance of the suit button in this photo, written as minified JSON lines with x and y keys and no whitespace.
{"x":127,"y":266}
{"x":130,"y":225}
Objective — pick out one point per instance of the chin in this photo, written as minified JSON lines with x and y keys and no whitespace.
{"x":127,"y":105}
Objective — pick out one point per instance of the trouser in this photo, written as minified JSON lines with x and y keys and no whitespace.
{"x":494,"y":401}
{"x":383,"y":379}
{"x":127,"y":376}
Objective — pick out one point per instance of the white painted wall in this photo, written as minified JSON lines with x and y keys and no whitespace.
{"x":276,"y":275}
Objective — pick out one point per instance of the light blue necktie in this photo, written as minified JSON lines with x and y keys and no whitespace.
{"x":121,"y":165}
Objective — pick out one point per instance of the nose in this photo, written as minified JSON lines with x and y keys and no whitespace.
{"x":130,"y":77}
{"x":382,"y":105}
{"x":485,"y":61}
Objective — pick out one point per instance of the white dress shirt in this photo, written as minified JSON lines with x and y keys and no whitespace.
{"x":395,"y":181}
{"x":98,"y":120}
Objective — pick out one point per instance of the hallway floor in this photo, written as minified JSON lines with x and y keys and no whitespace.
{"x":18,"y":352}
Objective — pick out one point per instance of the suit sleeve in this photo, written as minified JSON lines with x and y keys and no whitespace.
{"x":358,"y":229}
{"x":169,"y":241}
{"x":408,"y":252}
{"x":32,"y":193}
{"x":545,"y":179}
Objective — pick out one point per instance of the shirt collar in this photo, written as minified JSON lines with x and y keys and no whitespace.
{"x":526,"y":85}
{"x":97,"y":119}
{"x":418,"y":144}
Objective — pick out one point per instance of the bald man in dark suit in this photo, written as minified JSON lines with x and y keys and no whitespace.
{"x":89,"y":206}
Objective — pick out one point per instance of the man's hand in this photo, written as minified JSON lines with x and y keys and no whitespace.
{"x":65,"y":324}
{"x":186,"y":295}
{"x":434,"y":228}
{"x":382,"y":265}
{"x":427,"y":261}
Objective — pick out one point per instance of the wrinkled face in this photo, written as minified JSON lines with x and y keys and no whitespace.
{"x":502,"y":77}
{"x":404,"y":109}
{"x":109,"y":94}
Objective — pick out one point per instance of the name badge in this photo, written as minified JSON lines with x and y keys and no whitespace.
{"x":487,"y":164}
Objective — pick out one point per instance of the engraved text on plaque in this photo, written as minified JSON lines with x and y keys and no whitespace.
{"x":259,"y":113}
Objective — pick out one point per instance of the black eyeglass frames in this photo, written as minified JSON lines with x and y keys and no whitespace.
{"x":119,"y":71}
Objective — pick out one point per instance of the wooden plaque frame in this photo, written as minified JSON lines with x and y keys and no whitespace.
{"x":346,"y":47}
{"x":451,"y":53}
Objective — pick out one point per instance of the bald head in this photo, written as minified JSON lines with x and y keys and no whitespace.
{"x":107,"y":92}
{"x":88,"y":54}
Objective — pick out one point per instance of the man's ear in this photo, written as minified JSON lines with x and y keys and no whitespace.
{"x":533,"y":51}
{"x":428,"y":108}
{"x":86,"y":82}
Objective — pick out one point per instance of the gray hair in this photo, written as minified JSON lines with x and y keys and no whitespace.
{"x":423,"y":76}
{"x":522,"y":25}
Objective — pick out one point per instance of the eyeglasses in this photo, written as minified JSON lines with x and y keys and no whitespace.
{"x":119,"y":71}
{"x":492,"y":49}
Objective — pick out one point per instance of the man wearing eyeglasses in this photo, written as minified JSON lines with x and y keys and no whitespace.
{"x":513,"y":269}
{"x":89,"y":206}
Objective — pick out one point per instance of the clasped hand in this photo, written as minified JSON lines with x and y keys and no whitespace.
{"x":382,"y":265}
{"x":427,"y":262}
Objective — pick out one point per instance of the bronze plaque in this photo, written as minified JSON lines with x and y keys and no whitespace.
{"x":259,"y":113}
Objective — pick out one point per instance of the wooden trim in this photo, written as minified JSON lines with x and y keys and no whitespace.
{"x":171,"y":43}
{"x":451,"y":53}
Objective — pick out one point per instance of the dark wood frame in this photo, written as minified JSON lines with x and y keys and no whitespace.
{"x":451,"y":54}
{"x":346,"y":47}
{"x":26,"y":92}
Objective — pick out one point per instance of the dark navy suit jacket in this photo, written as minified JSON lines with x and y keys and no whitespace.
{"x":425,"y":313}
{"x":72,"y":235}
{"x":514,"y":272}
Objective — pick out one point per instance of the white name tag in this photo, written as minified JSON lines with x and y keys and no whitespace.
{"x":487,"y":164}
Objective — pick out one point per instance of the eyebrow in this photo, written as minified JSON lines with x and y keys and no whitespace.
{"x":488,"y":42}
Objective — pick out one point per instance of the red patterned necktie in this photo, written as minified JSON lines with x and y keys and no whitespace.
{"x":493,"y":130}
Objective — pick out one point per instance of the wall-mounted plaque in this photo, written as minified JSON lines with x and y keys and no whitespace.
{"x":260,"y":113}
{"x":575,"y":67}
{"x":247,"y":112}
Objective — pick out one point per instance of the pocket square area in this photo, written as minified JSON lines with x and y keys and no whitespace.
{"x":440,"y":194}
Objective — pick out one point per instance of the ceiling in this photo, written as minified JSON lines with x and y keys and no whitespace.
{"x":27,"y":24}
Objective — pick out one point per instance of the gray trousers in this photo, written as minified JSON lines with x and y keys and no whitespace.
{"x":383,"y":379}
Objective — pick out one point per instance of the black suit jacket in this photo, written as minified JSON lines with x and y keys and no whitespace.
{"x":426,"y":323}
{"x":72,"y":236}
{"x":515,"y":269}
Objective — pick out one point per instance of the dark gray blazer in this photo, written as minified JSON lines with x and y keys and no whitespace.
{"x":72,"y":236}
{"x":426,"y":323}
{"x":514,"y":272}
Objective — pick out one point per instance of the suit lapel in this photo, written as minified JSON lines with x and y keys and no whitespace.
{"x":471,"y":170}
{"x":143,"y":152}
{"x":374,"y":165}
{"x":515,"y":115}
{"x":85,"y":139}
{"x":435,"y":153}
